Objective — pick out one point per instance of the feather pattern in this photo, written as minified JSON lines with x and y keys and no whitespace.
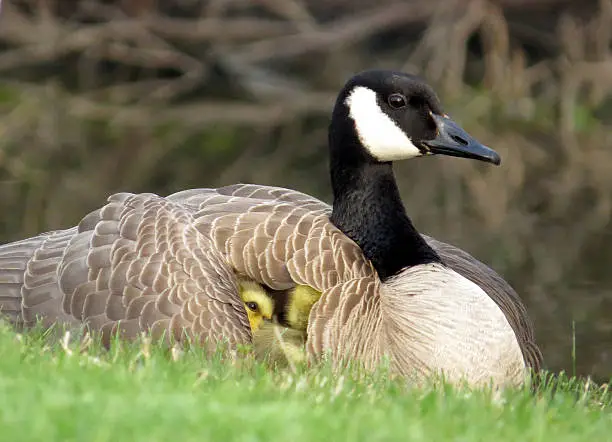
{"x":137,"y":264}
{"x":170,"y":266}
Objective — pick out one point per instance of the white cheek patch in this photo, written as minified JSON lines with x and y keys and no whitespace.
{"x":377,"y":132}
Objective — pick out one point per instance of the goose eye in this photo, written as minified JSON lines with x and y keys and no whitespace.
{"x":397,"y":101}
{"x":252,"y":306}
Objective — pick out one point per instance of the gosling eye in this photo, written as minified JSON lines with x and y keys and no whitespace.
{"x":397,"y":101}
{"x":252,"y":306}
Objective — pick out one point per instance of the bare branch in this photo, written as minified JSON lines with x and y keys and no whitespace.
{"x":337,"y":34}
{"x":199,"y":114}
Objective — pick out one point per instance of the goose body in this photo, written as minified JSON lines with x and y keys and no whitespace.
{"x":423,"y":329}
{"x":170,"y":265}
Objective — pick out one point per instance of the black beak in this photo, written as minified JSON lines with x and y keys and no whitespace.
{"x":453,"y":141}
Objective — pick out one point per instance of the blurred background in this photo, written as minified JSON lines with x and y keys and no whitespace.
{"x":100,"y":96}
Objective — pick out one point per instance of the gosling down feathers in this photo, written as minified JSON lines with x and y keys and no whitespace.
{"x":171,"y":265}
{"x":258,"y":303}
{"x":273,"y":343}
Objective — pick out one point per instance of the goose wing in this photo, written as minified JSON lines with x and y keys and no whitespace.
{"x":281,"y":238}
{"x":28,"y":278}
{"x":136,"y":264}
{"x":275,"y":236}
{"x":336,"y":321}
{"x":250,"y":194}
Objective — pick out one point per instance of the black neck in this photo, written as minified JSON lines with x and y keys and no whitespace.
{"x":368,"y":209}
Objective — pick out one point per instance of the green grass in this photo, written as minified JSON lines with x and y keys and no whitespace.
{"x":76,"y":392}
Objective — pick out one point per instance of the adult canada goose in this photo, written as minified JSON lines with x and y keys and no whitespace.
{"x":169,"y":265}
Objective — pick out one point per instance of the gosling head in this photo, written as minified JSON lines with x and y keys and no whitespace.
{"x":396,"y":116}
{"x":301,"y":300}
{"x":259,"y":305}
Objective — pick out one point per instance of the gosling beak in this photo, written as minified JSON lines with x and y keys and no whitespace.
{"x":453,"y":141}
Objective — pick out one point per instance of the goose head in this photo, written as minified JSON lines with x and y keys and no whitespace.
{"x":389,"y":116}
{"x":380,"y":117}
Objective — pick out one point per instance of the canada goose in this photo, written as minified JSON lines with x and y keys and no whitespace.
{"x":170,"y":265}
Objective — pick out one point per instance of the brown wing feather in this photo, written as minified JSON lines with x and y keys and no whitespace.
{"x":307,"y":253}
{"x":41,"y":296}
{"x":336,"y":322}
{"x":134,"y":265}
{"x":14,"y":260}
{"x":172,"y":278}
